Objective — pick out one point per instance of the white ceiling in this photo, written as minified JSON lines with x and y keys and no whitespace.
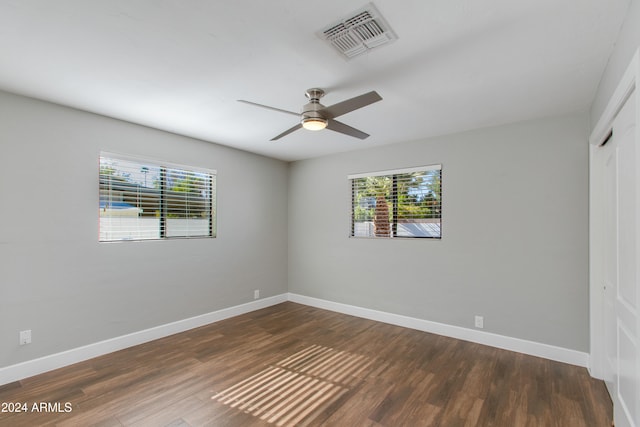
{"x":180,"y":65}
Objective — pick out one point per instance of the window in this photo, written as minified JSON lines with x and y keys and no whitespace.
{"x":142,"y":200}
{"x":399,"y":203}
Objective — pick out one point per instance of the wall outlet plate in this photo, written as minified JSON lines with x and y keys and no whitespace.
{"x":479,"y":322}
{"x":25,"y":337}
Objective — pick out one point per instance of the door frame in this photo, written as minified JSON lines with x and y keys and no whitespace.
{"x":598,"y":137}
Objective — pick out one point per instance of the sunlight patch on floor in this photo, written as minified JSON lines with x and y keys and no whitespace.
{"x":297,"y":388}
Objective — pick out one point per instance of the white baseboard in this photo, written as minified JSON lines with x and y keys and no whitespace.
{"x":47,"y":363}
{"x":532,"y":348}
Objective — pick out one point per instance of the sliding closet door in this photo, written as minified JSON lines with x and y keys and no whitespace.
{"x":621,"y":287}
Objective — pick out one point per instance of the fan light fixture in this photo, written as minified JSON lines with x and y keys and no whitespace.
{"x":316,"y":116}
{"x":314,"y":123}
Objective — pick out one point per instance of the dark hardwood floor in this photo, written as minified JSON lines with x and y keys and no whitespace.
{"x":293,"y":365}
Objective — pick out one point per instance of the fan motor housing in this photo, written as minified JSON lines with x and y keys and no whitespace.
{"x":312,"y":118}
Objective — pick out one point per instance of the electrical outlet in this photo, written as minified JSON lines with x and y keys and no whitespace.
{"x":479,"y":322}
{"x":25,"y":337}
{"x":256,"y":294}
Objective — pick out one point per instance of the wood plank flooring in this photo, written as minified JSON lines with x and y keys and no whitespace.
{"x":293,"y":365}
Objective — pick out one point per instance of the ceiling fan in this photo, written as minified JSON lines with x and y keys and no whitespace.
{"x":316,"y":116}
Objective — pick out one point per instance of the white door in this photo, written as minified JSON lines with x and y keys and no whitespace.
{"x":621,"y":267}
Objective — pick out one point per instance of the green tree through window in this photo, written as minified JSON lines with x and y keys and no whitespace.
{"x":403,"y":203}
{"x":140,"y":200}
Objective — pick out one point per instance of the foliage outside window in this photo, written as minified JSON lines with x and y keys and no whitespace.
{"x":142,"y":200}
{"x":400,"y":203}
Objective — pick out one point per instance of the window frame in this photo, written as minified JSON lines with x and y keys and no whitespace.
{"x":394,"y":216}
{"x":163,"y":213}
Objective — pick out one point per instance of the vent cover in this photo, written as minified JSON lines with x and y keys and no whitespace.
{"x":364,"y":30}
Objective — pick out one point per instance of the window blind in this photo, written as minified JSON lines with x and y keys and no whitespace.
{"x":397,"y":203}
{"x":145,"y":200}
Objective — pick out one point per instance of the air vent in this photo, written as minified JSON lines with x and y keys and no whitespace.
{"x":364,"y":30}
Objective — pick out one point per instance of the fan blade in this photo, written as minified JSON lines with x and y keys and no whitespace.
{"x":337,"y":126}
{"x":344,"y":107}
{"x":287,"y":132}
{"x":270,"y":108}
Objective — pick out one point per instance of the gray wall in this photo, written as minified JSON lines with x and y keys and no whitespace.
{"x":514,"y":246}
{"x":56,"y":279}
{"x":626,"y":45}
